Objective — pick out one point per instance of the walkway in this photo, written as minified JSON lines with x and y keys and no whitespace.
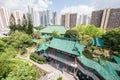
{"x":46,"y":67}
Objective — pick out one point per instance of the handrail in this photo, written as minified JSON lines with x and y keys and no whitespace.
{"x":62,"y":60}
{"x":87,"y":72}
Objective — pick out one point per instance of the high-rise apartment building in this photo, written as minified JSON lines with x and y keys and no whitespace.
{"x":35,"y":15}
{"x":73,"y":20}
{"x":44,"y":18}
{"x":58,"y":20}
{"x":63,"y":20}
{"x":69,"y":20}
{"x":4,"y":18}
{"x":83,"y":19}
{"x":107,"y":18}
{"x":36,"y":18}
{"x":18,"y":15}
{"x":54,"y":15}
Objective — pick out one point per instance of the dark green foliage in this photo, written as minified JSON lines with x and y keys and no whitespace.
{"x":55,"y":34}
{"x":112,"y":39}
{"x":30,"y":25}
{"x":23,"y":72}
{"x":23,"y":51}
{"x":72,"y":34}
{"x":10,"y":67}
{"x":26,"y":27}
{"x":60,"y":78}
{"x":37,"y":58}
{"x":19,"y":40}
{"x":84,"y":33}
{"x":16,"y":69}
{"x":36,"y":34}
{"x":2,"y":45}
{"x":5,"y":69}
{"x":12,"y":23}
{"x":116,"y":53}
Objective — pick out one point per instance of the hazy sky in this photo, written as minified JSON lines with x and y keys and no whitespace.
{"x":61,"y":6}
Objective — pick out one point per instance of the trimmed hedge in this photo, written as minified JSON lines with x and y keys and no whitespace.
{"x":37,"y":58}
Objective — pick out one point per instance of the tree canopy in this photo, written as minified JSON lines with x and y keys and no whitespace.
{"x":112,"y":39}
{"x":12,"y":68}
{"x":84,"y":33}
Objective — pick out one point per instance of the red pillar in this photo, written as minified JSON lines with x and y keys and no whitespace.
{"x":74,"y":70}
{"x":50,"y":50}
{"x":66,"y":66}
{"x":54,"y":55}
{"x":66,"y":60}
{"x":75,"y":61}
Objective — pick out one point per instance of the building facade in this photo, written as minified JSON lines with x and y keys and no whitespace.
{"x":65,"y":54}
{"x":63,"y":20}
{"x":44,"y":18}
{"x":58,"y":20}
{"x":106,"y":19}
{"x":54,"y":15}
{"x":18,"y":15}
{"x":73,"y":20}
{"x":4,"y":18}
{"x":83,"y":19}
{"x":69,"y":20}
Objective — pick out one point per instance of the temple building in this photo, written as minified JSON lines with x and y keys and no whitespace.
{"x":65,"y":54}
{"x":50,"y":29}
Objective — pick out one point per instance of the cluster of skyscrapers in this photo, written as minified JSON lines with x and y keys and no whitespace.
{"x":107,"y":18}
{"x":45,"y":18}
{"x":73,"y":19}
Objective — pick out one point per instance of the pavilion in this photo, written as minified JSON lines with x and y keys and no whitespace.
{"x":66,"y":54}
{"x":50,"y":29}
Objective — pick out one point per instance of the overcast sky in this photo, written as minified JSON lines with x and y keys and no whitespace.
{"x":61,"y":6}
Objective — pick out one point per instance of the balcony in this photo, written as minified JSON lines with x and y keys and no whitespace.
{"x":61,"y":59}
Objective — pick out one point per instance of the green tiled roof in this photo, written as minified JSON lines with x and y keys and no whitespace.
{"x":110,"y":69}
{"x":45,"y":36}
{"x":67,"y":45}
{"x":114,"y":65}
{"x":98,"y":42}
{"x":50,"y":29}
{"x":117,"y":59}
{"x":35,"y":41}
{"x":43,"y":46}
{"x":94,"y":65}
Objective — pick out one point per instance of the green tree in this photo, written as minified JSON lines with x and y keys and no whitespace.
{"x":72,"y":34}
{"x":12,"y":23}
{"x":55,"y":34}
{"x":37,"y":34}
{"x":25,"y":24}
{"x":2,"y":45}
{"x":112,"y":39}
{"x":30,"y":24}
{"x":85,"y":33}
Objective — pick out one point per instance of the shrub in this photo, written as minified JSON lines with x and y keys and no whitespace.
{"x":60,"y":78}
{"x":37,"y":58}
{"x":23,"y":51}
{"x":116,"y":53}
